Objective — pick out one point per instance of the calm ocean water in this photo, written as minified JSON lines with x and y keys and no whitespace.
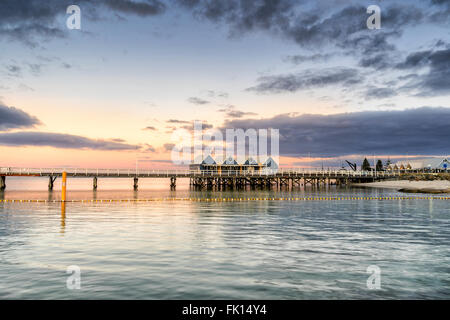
{"x":226,"y":250}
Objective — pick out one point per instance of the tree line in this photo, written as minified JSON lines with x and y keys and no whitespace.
{"x":379,"y":165}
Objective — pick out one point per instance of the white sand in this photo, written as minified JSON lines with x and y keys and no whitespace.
{"x":400,"y":184}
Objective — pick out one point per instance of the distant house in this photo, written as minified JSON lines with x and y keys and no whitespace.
{"x":437,"y":164}
{"x":431,"y":164}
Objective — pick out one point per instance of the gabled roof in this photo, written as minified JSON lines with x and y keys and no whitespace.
{"x":250,"y":161}
{"x":430,"y":163}
{"x":270,"y":163}
{"x":435,"y":163}
{"x":208,"y":160}
{"x":230,"y":161}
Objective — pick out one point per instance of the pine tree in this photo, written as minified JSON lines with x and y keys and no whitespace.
{"x":388,"y":162}
{"x":366,"y":165}
{"x":379,"y":165}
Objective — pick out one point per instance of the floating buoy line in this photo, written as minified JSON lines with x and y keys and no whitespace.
{"x":241,"y":199}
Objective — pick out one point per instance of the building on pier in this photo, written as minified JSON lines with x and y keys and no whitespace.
{"x":270,"y":164}
{"x":231,"y":165}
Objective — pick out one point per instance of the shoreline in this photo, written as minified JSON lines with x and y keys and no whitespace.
{"x":436,"y":186}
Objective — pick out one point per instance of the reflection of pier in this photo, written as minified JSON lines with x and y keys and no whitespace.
{"x":204,"y":178}
{"x":288,"y":178}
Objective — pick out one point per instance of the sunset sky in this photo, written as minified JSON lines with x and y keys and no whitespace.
{"x":115,"y":90}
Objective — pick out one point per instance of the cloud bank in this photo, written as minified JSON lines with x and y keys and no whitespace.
{"x":62,"y":141}
{"x":422,"y":131}
{"x":13,"y":118}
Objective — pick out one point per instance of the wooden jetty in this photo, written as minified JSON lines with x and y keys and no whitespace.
{"x":283,"y":177}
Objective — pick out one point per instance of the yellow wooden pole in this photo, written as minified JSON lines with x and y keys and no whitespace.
{"x":63,"y":191}
{"x":63,"y":215}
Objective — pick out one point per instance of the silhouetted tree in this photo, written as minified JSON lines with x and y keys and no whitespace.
{"x":388,"y":162}
{"x":379,"y":165}
{"x":366,"y":165}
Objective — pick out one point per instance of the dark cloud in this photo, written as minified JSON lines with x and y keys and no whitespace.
{"x":422,"y":131}
{"x":443,"y":14}
{"x":380,"y":93}
{"x":308,"y":23}
{"x":13,"y":118}
{"x":347,"y":29}
{"x":162,"y":161}
{"x":441,"y":2}
{"x":58,"y":140}
{"x":428,"y":72}
{"x":311,"y":24}
{"x":148,"y":148}
{"x":305,"y":22}
{"x":13,"y":70}
{"x":197,"y":101}
{"x":168,"y":146}
{"x":436,"y":80}
{"x":380,"y":61}
{"x":190,"y":127}
{"x":243,"y":15}
{"x":219,"y":94}
{"x":29,"y":21}
{"x":415,"y":60}
{"x":306,"y":80}
{"x":149,"y":128}
{"x":145,"y":8}
{"x":24,"y":20}
{"x":371,"y":44}
{"x":175,"y":121}
{"x":232,"y":112}
{"x":299,"y":59}
{"x":35,"y":68}
{"x":351,"y":20}
{"x":186,"y":125}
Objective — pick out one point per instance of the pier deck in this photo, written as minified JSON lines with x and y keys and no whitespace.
{"x":279,"y":177}
{"x":145,"y":173}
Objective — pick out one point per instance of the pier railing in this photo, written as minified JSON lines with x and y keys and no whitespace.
{"x":290,"y":172}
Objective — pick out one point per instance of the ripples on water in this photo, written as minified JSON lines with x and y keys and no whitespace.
{"x":227,"y":250}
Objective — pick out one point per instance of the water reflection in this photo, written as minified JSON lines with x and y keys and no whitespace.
{"x":242,"y":250}
{"x":430,"y":208}
{"x":63,"y":217}
{"x":50,"y":196}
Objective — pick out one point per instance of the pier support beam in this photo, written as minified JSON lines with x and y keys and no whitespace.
{"x":2,"y":183}
{"x":173,"y":182}
{"x":135,"y":184}
{"x":94,"y":183}
{"x":51,"y":181}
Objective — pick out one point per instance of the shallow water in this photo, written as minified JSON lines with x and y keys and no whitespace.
{"x":226,"y":250}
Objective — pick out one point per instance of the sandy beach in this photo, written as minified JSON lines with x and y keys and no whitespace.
{"x":410,"y":186}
